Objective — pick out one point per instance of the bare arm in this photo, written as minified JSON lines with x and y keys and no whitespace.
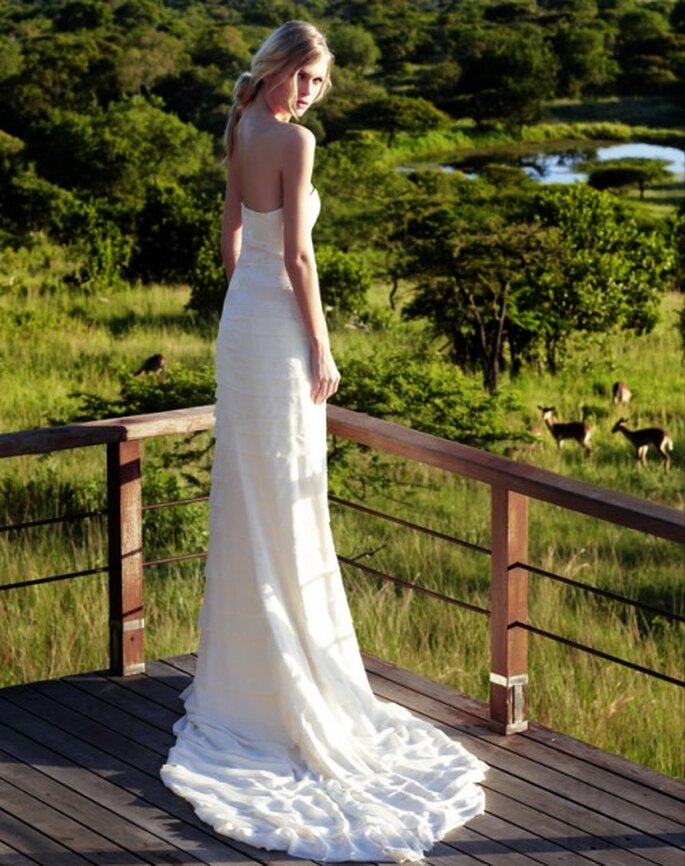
{"x":232,"y":222}
{"x":299,"y":258}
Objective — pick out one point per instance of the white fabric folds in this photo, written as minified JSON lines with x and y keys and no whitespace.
{"x":283,"y":745}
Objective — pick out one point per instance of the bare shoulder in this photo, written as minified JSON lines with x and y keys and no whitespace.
{"x":298,"y":139}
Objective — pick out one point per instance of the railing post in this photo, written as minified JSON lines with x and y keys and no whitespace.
{"x":125,"y":530}
{"x":508,"y":604}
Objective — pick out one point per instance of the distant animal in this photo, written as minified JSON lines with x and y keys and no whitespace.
{"x":153,"y":364}
{"x":621,"y":393}
{"x":642,"y":439}
{"x":526,"y":449}
{"x":579,"y":431}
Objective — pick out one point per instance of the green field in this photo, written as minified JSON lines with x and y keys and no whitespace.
{"x":54,"y":343}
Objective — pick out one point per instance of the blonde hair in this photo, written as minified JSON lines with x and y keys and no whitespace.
{"x":289,"y":48}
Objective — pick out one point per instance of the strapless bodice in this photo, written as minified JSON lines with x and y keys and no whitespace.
{"x":263,"y":230}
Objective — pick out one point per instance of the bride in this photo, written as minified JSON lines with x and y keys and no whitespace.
{"x":283,"y":745}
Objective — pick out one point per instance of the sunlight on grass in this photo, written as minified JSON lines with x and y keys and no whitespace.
{"x":54,"y":343}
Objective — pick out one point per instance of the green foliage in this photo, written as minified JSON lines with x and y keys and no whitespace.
{"x":354,"y":47}
{"x":678,"y":239}
{"x":393,"y":114}
{"x":509,"y":75}
{"x":585,"y":61}
{"x":174,"y":529}
{"x":621,"y":173}
{"x":425,"y":393}
{"x":105,"y":252}
{"x":176,"y":388}
{"x":615,"y":269}
{"x":172,"y":229}
{"x":343,"y":278}
{"x":208,"y":280}
{"x":527,"y":269}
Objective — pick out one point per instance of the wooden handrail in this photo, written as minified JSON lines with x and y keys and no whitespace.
{"x":512,"y":484}
{"x":609,"y":505}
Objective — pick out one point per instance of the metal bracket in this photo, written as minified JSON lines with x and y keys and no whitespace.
{"x":127,"y":625}
{"x":516,"y":684}
{"x":507,"y":682}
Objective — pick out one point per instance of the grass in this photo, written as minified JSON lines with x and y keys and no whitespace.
{"x":72,"y":342}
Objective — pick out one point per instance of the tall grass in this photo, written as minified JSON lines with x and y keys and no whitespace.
{"x":78,"y":342}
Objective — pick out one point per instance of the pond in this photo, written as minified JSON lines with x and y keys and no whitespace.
{"x":560,"y":164}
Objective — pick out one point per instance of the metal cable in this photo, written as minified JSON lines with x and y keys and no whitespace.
{"x":99,"y":570}
{"x":433,"y":532}
{"x":606,"y":593}
{"x":98,"y":512}
{"x":153,"y":505}
{"x":598,"y":653}
{"x":398,"y":580}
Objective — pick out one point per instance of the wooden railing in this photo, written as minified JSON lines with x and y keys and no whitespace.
{"x":512,"y":485}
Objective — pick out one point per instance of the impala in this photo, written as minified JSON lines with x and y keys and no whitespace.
{"x":621,"y":393}
{"x":642,"y":439}
{"x":579,"y":431}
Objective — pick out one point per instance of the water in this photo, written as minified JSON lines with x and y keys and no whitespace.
{"x":561,"y":166}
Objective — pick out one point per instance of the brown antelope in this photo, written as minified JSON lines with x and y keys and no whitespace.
{"x":621,"y":393}
{"x":579,"y":431}
{"x":153,"y":364}
{"x":642,"y":439}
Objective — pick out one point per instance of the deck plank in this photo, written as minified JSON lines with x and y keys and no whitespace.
{"x":132,"y":794}
{"x":87,"y":750}
{"x":90,"y":813}
{"x":74,"y":837}
{"x":647,"y":782}
{"x":652,"y":834}
{"x":28,"y":841}
{"x":12,"y":857}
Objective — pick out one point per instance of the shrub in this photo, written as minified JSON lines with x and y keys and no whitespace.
{"x":344,"y":279}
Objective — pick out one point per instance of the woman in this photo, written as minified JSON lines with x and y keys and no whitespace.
{"x":283,"y":744}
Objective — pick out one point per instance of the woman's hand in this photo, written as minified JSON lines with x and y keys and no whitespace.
{"x":325,"y":375}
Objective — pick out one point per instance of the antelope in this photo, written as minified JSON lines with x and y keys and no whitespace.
{"x":579,"y":431}
{"x":621,"y":393}
{"x":642,"y":439}
{"x":153,"y":364}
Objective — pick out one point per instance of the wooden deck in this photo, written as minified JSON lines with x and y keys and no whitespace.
{"x":79,"y":761}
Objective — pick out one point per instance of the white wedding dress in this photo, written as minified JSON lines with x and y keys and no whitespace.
{"x":283,"y":744}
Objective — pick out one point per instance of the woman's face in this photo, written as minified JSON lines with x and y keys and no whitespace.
{"x":304,"y":85}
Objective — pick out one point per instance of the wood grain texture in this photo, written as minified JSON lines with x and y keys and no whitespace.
{"x":84,"y":752}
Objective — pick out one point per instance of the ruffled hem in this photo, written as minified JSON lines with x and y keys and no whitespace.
{"x":418,"y":785}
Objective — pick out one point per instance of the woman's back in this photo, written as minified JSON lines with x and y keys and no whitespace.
{"x":258,"y":147}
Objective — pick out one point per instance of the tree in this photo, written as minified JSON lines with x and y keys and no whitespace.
{"x":622,"y":173}
{"x":147,"y":58}
{"x":344,"y":279}
{"x":512,"y":280}
{"x":439,"y":84}
{"x":509,"y":74}
{"x":119,"y":151}
{"x":614,"y":268}
{"x":393,"y":114}
{"x":354,"y":47}
{"x":585,"y":61}
{"x":473,"y":286}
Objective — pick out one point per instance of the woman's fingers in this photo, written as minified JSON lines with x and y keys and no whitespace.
{"x":325,"y":377}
